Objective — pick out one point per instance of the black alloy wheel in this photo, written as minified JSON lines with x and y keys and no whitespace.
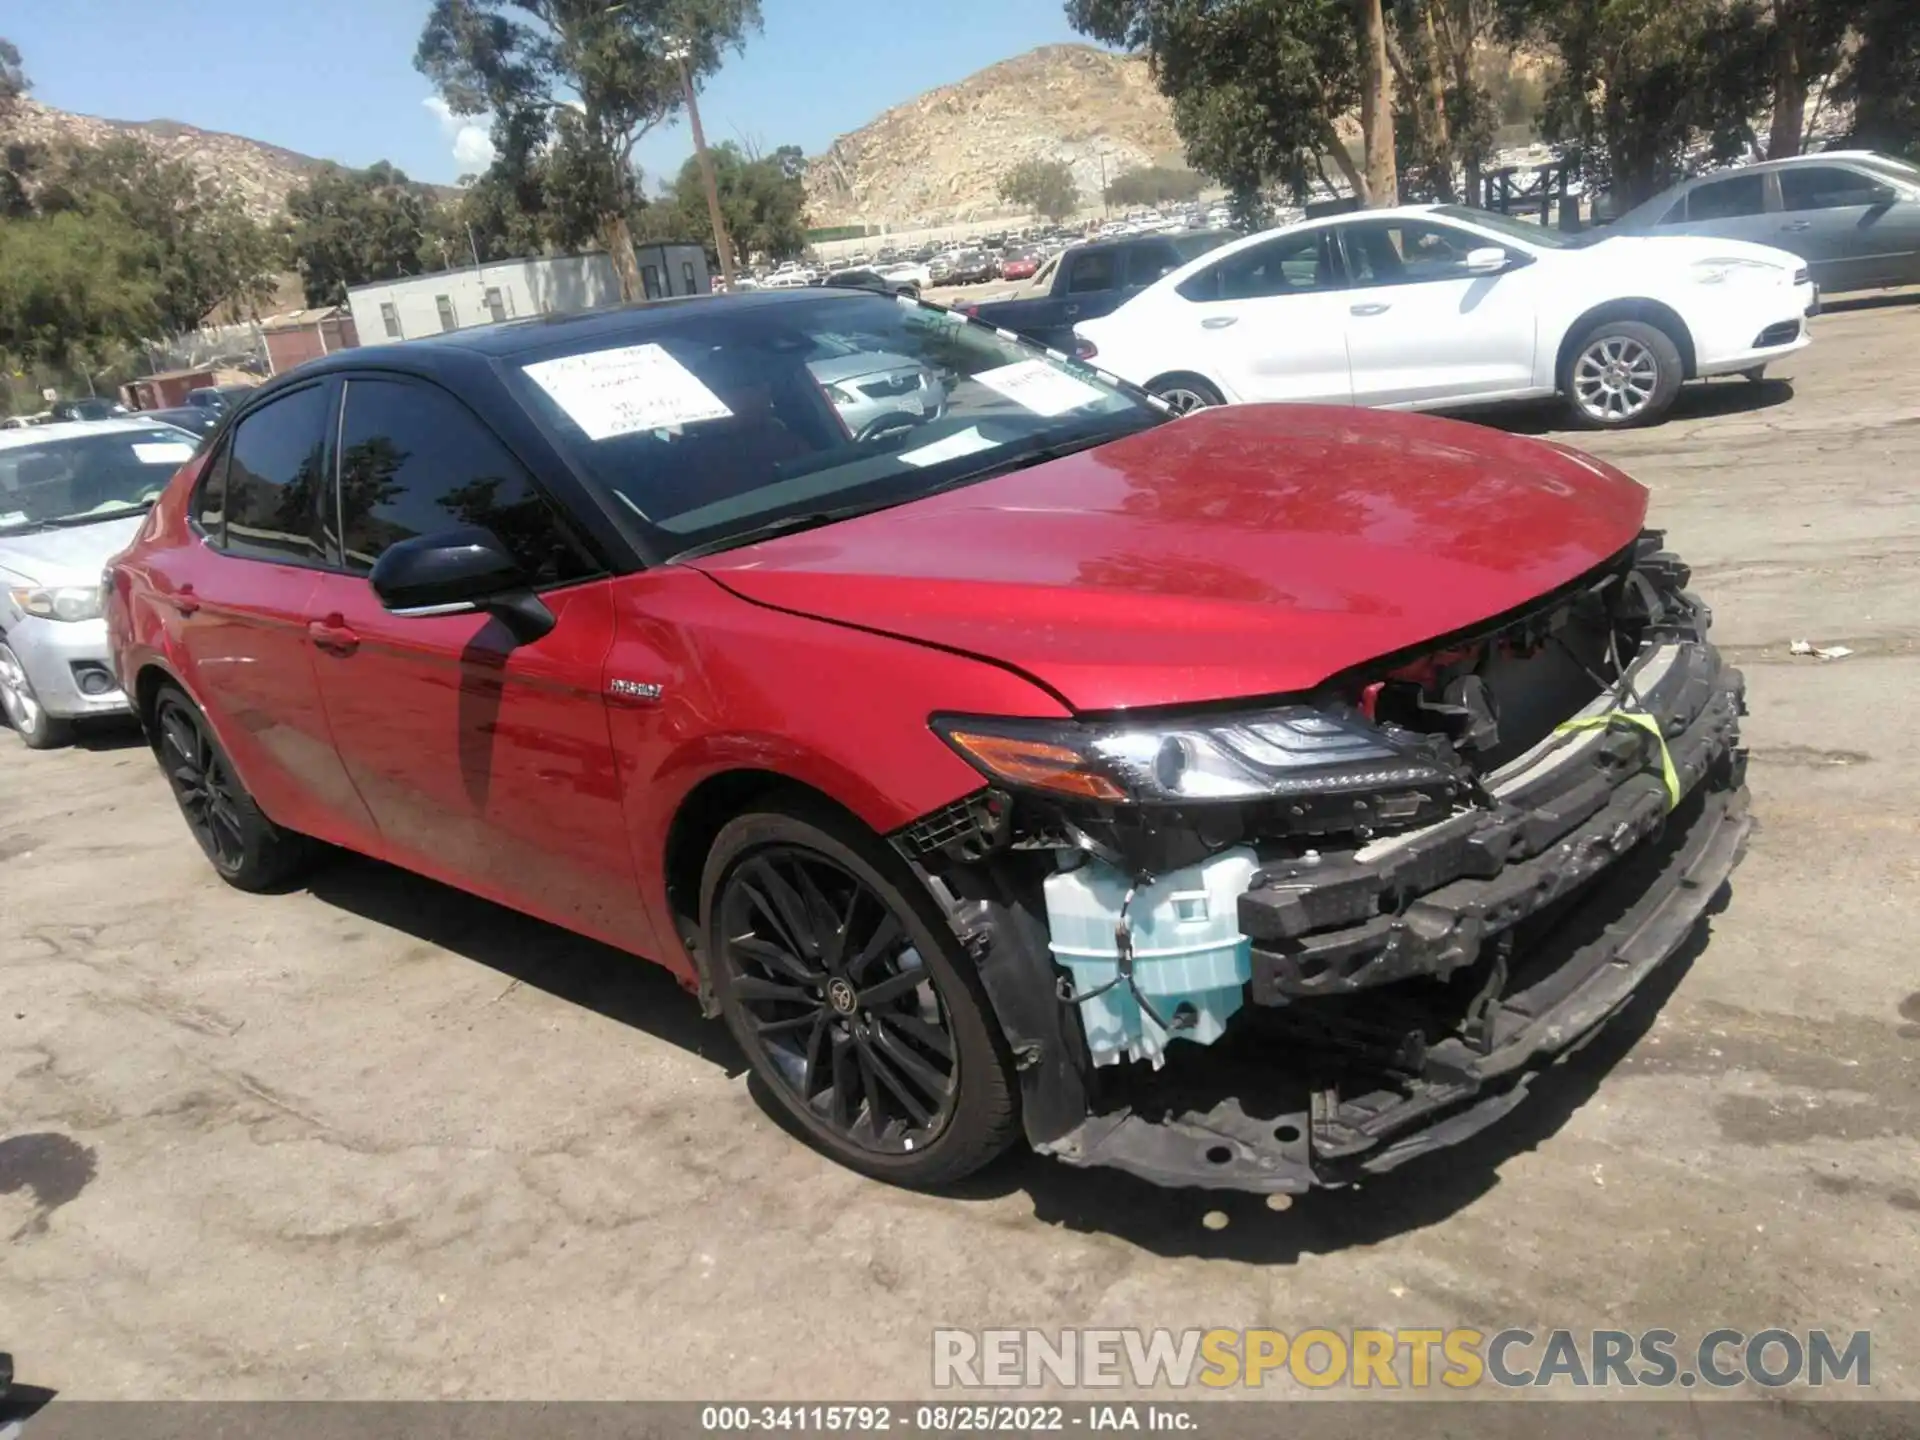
{"x":840,"y":1003}
{"x":246,"y":848}
{"x":201,"y":784}
{"x":847,"y":990}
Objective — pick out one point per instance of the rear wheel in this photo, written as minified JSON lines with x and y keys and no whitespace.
{"x":29,"y":718}
{"x":249,"y":850}
{"x":849,"y":994}
{"x":1186,"y":393}
{"x":1623,"y":373}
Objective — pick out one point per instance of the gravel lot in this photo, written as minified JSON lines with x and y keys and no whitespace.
{"x":378,"y":1139}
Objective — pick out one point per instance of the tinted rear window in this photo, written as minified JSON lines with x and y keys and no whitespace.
{"x":276,"y":474}
{"x":1728,"y":199}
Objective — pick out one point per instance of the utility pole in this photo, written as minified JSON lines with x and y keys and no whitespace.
{"x":680,"y":54}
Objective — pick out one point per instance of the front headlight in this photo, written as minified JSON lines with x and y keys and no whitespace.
{"x":1719,"y":270}
{"x":1293,"y":750}
{"x":59,"y":602}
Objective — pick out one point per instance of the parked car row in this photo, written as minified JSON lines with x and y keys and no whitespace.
{"x":199,"y":411}
{"x":908,"y":692}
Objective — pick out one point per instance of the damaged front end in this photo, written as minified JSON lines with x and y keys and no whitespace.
{"x":1267,"y":949}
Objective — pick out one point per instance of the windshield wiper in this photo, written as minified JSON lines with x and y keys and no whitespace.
{"x":814,"y":519}
{"x":72,"y":522}
{"x":1034,"y":455}
{"x":772,"y":529}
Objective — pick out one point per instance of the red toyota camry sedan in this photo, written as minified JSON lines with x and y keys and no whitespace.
{"x":1256,"y":799}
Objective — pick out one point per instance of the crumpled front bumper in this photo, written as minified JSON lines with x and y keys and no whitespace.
{"x":1407,"y":993}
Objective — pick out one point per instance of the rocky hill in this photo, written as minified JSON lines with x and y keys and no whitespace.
{"x":938,"y":158}
{"x":260,"y":175}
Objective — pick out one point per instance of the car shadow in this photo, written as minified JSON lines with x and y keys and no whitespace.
{"x":566,"y":965}
{"x":1422,"y":1193}
{"x":1876,"y":300}
{"x":1168,"y":1222}
{"x":107,"y":736}
{"x":1699,"y":400}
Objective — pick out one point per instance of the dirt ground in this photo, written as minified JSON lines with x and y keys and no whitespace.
{"x":378,"y":1139}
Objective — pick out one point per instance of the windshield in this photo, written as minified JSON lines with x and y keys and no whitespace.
{"x":708,"y":421}
{"x":1541,"y":236}
{"x":83,"y":477}
{"x":1899,"y":169}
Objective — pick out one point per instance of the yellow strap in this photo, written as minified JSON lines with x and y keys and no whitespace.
{"x":1643,"y":722}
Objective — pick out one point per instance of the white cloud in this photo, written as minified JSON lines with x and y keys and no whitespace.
{"x":472,"y":147}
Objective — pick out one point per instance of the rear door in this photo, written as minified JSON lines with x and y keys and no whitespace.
{"x":485,"y":761}
{"x":1270,"y":321}
{"x":1732,"y":207}
{"x":237,"y":613}
{"x":1850,"y":226}
{"x":1424,"y":329}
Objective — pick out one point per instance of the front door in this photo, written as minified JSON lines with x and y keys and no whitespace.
{"x":486,"y":762}
{"x":1424,"y":328}
{"x":1850,"y":226}
{"x":236,"y":609}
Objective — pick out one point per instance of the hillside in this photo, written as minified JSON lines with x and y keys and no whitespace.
{"x":260,"y":175}
{"x":939,"y":157}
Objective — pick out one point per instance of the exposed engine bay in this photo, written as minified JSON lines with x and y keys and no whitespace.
{"x":1298,"y":942}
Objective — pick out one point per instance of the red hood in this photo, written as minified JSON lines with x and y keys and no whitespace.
{"x":1237,"y":552}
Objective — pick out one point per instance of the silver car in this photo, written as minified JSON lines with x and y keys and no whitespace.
{"x":876,"y":392}
{"x":1852,"y":215}
{"x":71,"y":497}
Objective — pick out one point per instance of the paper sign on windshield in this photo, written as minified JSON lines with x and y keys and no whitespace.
{"x":968,"y":442}
{"x":1037,"y":386}
{"x":621,"y":392}
{"x":164,"y":452}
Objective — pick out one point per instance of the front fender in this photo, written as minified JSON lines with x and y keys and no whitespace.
{"x":731,"y":686}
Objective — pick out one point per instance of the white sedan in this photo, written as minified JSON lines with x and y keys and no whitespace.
{"x":1432,"y":306}
{"x":918,"y":276}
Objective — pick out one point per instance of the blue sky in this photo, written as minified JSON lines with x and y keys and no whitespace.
{"x":335,"y":78}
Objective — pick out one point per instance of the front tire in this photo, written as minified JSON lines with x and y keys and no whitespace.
{"x":29,"y":718}
{"x":1622,"y":373}
{"x":845,"y":986}
{"x":247,"y":849}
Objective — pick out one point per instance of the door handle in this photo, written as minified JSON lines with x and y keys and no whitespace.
{"x":1219,"y":322}
{"x":333,"y":636}
{"x":183,"y":601}
{"x":1798,"y":225}
{"x":1369,"y":309}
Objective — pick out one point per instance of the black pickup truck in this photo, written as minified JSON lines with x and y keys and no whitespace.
{"x":1089,"y":281}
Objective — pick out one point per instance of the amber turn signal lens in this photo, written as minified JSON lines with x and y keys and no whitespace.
{"x":1036,"y":763}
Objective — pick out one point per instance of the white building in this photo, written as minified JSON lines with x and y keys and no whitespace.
{"x":517,"y":289}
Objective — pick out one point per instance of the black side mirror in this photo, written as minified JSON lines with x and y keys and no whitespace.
{"x":450,"y":571}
